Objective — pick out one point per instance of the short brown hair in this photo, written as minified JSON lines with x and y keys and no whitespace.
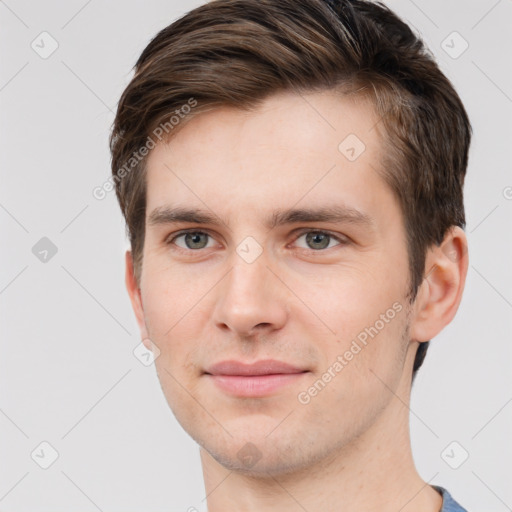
{"x":238,"y":52}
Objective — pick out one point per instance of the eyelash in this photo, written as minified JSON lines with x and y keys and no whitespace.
{"x":341,"y":240}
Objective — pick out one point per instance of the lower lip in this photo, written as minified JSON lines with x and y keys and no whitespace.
{"x":254,"y":385}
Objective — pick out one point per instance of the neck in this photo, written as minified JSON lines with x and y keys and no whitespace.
{"x":375,"y":473}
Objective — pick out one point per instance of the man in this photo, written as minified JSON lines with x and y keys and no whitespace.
{"x":291,"y":175}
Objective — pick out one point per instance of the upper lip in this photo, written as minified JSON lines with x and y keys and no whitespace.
{"x":262,"y":367}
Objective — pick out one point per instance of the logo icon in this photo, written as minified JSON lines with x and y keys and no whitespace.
{"x":146,"y":352}
{"x":249,"y":249}
{"x":44,"y":250}
{"x":44,"y":455}
{"x":454,"y":45}
{"x":455,"y":455}
{"x":249,"y":455}
{"x":351,"y":147}
{"x":44,"y":45}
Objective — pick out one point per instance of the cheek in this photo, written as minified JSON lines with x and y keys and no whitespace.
{"x":369,"y":344}
{"x":177,"y":313}
{"x":171,"y":297}
{"x":350,"y":299}
{"x":365,"y":376}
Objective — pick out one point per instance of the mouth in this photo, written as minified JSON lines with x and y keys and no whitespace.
{"x":258,"y":379}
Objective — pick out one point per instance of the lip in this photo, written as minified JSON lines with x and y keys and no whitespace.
{"x":262,"y":367}
{"x":258,"y":379}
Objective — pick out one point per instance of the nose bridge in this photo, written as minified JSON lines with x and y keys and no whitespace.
{"x":250,"y":297}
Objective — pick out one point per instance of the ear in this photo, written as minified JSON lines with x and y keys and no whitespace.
{"x":136,"y":299}
{"x":440,"y":293}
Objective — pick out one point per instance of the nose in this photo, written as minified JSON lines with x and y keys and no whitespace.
{"x":251,"y":300}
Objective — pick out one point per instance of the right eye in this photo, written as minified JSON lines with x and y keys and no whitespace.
{"x":191,"y":240}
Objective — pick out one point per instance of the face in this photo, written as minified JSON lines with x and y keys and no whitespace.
{"x":274,"y":280}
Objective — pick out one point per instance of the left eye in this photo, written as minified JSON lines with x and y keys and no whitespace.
{"x":193,"y":240}
{"x":318,"y":240}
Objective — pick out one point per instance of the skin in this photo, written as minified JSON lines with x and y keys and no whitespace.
{"x":348,"y":448}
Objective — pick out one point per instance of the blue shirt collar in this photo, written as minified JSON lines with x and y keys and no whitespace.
{"x":449,"y":504}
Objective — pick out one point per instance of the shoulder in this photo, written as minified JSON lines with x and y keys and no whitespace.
{"x":449,"y":504}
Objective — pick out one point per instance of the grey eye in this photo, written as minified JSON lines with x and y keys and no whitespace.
{"x":317,"y":240}
{"x":195,"y":240}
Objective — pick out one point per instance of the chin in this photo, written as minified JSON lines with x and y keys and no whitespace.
{"x":263,"y":456}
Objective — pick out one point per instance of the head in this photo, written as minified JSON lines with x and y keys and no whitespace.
{"x":243,"y":109}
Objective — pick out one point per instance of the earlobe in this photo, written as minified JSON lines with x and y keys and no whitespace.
{"x":135,"y":295}
{"x":441,"y":290}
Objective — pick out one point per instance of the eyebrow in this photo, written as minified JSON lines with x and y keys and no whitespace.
{"x":335,"y":214}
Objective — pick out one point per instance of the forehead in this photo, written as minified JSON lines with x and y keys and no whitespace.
{"x":308,"y":148}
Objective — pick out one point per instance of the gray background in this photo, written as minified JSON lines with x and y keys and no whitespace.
{"x":68,"y":375}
